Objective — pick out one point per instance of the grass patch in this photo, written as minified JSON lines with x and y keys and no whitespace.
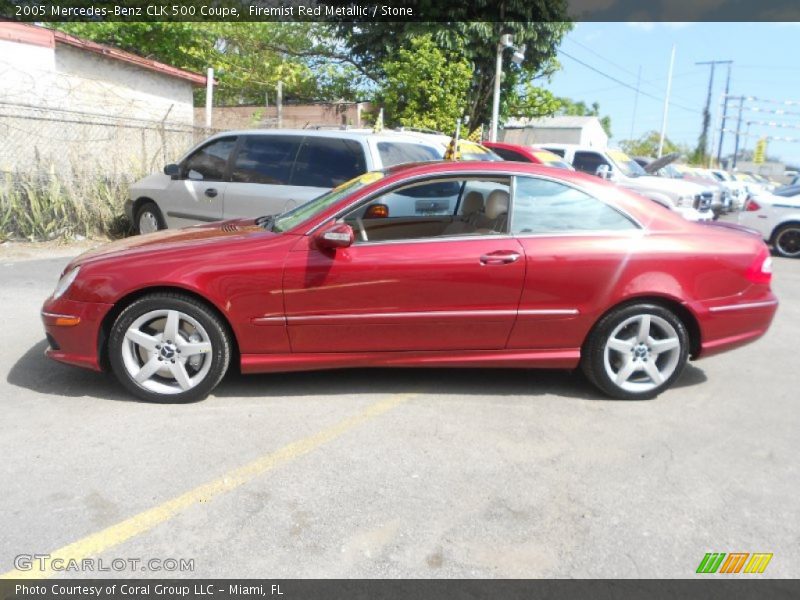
{"x":47,"y":206}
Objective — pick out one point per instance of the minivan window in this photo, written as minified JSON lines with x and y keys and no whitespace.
{"x":395,"y":153}
{"x":210,"y":161}
{"x":328,"y":162}
{"x":266,"y":159}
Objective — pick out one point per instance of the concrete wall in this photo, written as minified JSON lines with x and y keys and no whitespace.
{"x":294,"y":116}
{"x":73,"y":111}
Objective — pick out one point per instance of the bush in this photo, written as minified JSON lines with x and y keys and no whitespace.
{"x":46,"y":206}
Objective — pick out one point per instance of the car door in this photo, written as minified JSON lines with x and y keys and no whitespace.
{"x":576,"y":247}
{"x":260,"y":176}
{"x":196,"y":195}
{"x":413,"y":288}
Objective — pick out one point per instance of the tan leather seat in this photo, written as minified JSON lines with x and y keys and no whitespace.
{"x":496,"y":213}
{"x":471,"y":212}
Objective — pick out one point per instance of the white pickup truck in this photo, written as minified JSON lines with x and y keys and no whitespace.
{"x":692,"y":200}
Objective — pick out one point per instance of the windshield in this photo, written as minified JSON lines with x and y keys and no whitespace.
{"x":626,"y":165}
{"x":472,"y":151}
{"x":294,"y":217}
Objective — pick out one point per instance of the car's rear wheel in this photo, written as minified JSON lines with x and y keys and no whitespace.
{"x":787,"y":240}
{"x":169,"y":348}
{"x":149,"y":218}
{"x":636,"y":351}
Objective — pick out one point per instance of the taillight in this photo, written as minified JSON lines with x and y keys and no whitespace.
{"x":751,"y":205}
{"x":761,"y":269}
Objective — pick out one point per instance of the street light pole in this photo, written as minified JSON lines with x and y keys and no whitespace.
{"x":505,"y":42}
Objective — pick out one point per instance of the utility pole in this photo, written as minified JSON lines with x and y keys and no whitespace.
{"x":702,"y":143}
{"x":636,"y":100}
{"x":666,"y":104}
{"x":738,"y":131}
{"x":724,"y":114}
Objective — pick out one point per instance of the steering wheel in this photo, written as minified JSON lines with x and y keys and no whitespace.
{"x":362,"y":230}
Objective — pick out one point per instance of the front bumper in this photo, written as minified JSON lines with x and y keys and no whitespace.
{"x":73,"y":331}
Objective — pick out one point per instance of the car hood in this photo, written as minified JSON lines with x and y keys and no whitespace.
{"x":173,"y":239}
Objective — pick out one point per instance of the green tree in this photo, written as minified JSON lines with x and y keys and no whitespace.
{"x":540,"y":26}
{"x":425,"y":86}
{"x":248,"y":58}
{"x":647,"y":145}
{"x":581,"y":109}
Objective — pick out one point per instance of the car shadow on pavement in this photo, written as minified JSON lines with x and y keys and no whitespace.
{"x":33,"y":371}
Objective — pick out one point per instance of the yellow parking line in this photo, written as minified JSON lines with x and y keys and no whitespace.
{"x":112,"y":536}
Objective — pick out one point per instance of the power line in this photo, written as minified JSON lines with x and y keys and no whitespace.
{"x":625,"y":84}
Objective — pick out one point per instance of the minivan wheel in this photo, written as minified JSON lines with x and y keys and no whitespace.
{"x":636,"y":351}
{"x":169,"y":348}
{"x":149,"y":219}
{"x":787,"y":240}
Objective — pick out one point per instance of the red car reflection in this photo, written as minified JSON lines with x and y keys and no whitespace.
{"x":438,"y":264}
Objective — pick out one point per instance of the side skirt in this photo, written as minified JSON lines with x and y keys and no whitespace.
{"x":561,"y":358}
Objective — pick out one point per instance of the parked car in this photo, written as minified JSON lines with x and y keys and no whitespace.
{"x":691,"y":200}
{"x":738,"y":189}
{"x":467,"y":149}
{"x":720,"y":195}
{"x":257,"y":172}
{"x":777,"y":217}
{"x":527,"y":267}
{"x":530,"y":154}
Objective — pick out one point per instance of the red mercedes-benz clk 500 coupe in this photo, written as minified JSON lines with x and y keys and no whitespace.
{"x":431,"y":264}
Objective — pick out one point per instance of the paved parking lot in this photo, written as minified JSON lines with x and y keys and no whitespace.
{"x":401,"y":473}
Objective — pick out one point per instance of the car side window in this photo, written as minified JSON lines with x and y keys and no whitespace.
{"x":395,"y":153}
{"x":265,"y":159}
{"x":328,"y":162}
{"x":542,"y":206}
{"x":588,"y":162}
{"x":432,"y":209}
{"x":210,"y":162}
{"x":507,"y":154}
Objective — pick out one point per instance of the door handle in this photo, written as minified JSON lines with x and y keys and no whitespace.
{"x":500,"y":257}
{"x":211,"y":192}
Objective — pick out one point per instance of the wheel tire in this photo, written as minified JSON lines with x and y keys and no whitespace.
{"x":201,"y":348}
{"x":148,"y":218}
{"x":786,"y":240}
{"x":599,"y":362}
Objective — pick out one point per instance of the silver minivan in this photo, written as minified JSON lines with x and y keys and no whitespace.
{"x":263,"y":172}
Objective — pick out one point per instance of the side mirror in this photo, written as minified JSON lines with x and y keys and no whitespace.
{"x":603,"y":172}
{"x":338,"y":235}
{"x":377,"y":211}
{"x":172,"y":170}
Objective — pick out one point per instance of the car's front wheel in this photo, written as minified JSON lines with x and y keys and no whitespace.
{"x":169,"y":348}
{"x":787,"y":240}
{"x":636,"y":351}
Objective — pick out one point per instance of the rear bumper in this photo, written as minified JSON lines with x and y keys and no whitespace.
{"x":73,"y":330}
{"x":728,"y":325}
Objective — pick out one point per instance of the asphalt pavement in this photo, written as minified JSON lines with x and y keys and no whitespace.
{"x":421,"y":473}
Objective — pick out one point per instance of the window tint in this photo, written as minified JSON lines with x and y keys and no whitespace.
{"x":328,"y":162}
{"x":209,"y":163}
{"x":507,"y":154}
{"x":395,"y":153}
{"x":266,"y":159}
{"x":588,"y":162}
{"x":542,"y":206}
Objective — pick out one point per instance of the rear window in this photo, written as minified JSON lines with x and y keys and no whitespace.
{"x":507,"y":154}
{"x":395,"y":153}
{"x":328,"y":162}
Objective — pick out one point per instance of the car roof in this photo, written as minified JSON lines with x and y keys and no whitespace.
{"x":351,"y":134}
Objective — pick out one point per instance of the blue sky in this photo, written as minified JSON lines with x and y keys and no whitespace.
{"x":765,"y":67}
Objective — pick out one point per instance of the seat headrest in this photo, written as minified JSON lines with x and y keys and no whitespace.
{"x":497,"y":204}
{"x":473,"y":202}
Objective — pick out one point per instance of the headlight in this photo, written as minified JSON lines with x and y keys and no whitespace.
{"x":65,"y":281}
